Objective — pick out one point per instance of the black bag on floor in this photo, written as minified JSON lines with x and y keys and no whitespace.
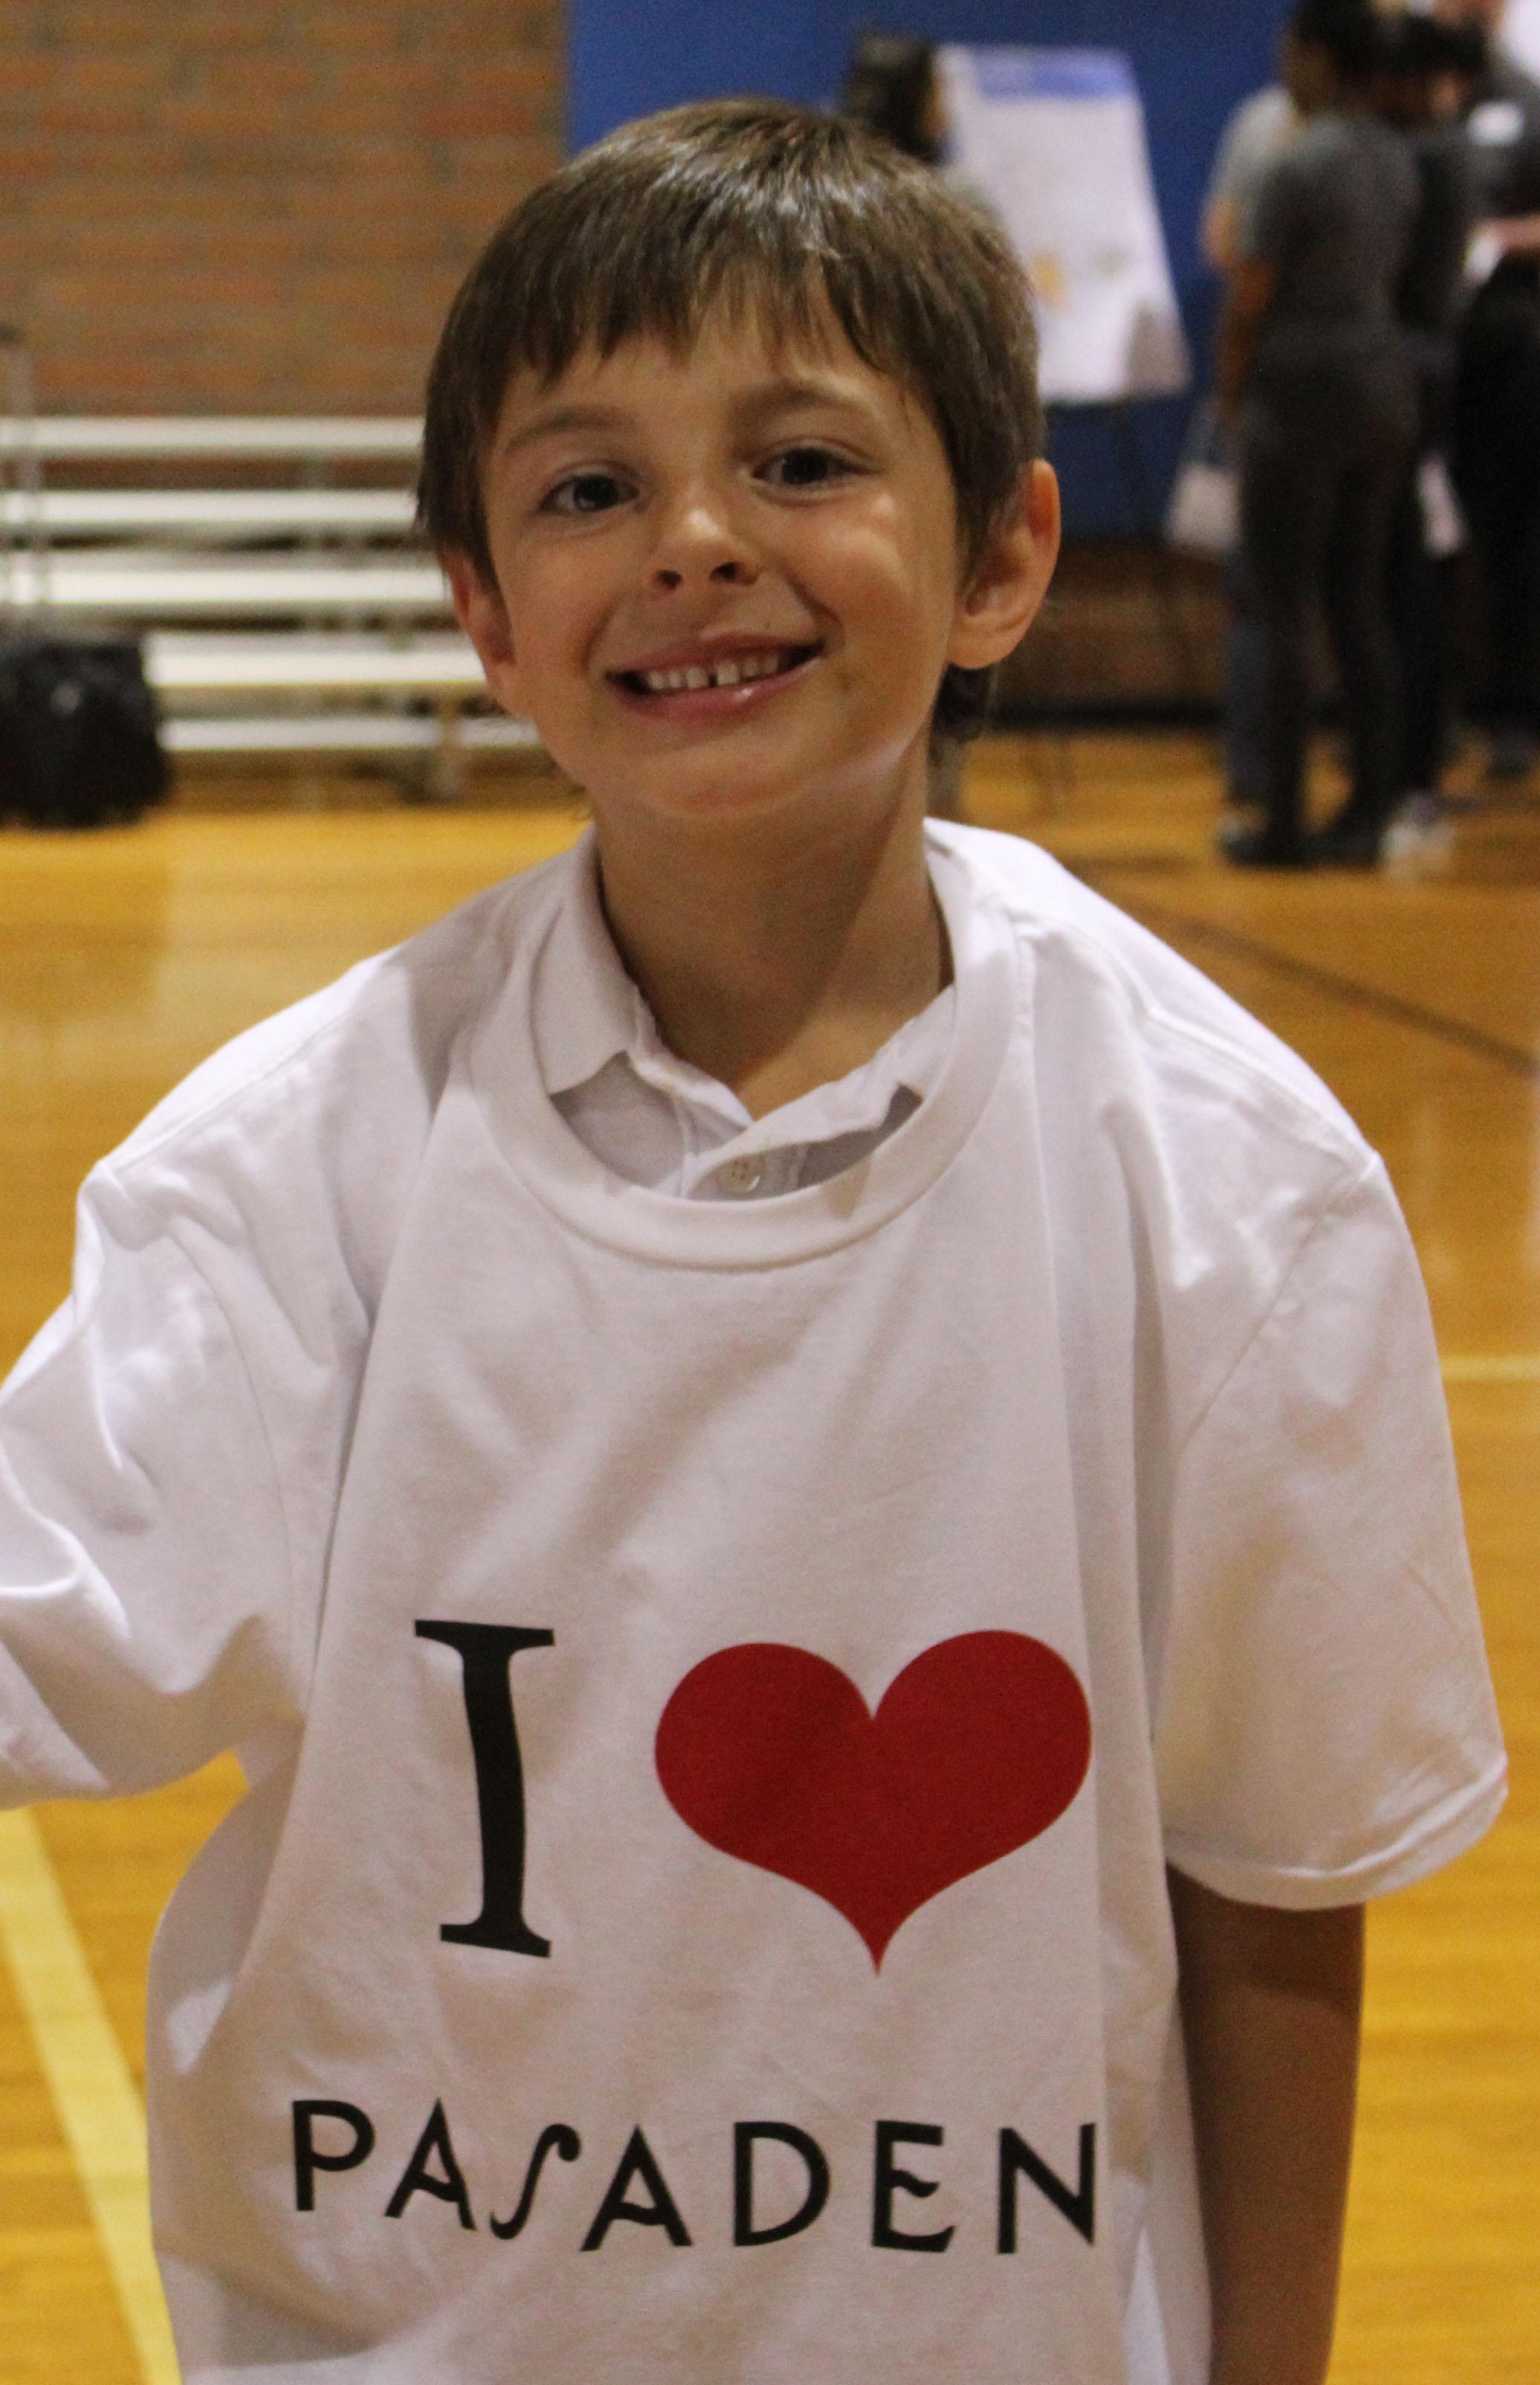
{"x":80,"y":739}
{"x":79,"y":744}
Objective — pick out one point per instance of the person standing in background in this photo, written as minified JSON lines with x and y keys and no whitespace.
{"x":893,"y":88}
{"x":1496,"y":411}
{"x":1421,"y":88}
{"x":1314,"y":376}
{"x":1256,"y":133}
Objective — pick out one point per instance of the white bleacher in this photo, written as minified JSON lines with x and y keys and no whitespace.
{"x":186,"y":664}
{"x":153,"y":585}
{"x":211,"y":517}
{"x":295,"y":617}
{"x":442,"y":743}
{"x":247,"y":437}
{"x":291,"y":671}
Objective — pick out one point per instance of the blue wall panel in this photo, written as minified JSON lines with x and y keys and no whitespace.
{"x":1194,"y":59}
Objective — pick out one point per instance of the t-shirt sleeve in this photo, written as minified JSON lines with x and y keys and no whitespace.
{"x":1230,"y":160}
{"x":1326,"y":1728}
{"x":145,"y":1576}
{"x":1254,"y":133}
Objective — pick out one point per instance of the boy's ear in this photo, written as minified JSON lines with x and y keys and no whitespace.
{"x":483,"y":616}
{"x":997,"y":606}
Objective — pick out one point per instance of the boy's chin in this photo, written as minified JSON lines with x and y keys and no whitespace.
{"x":706,"y":803}
{"x":724,"y":806}
{"x":723,"y":793}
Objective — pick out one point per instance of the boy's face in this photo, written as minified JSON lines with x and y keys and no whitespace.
{"x":728,"y":581}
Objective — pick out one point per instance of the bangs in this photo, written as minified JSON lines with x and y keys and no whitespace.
{"x":756,"y":239}
{"x":795,"y":221}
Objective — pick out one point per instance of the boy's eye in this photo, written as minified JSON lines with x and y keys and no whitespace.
{"x":586,"y":492}
{"x":806,"y":468}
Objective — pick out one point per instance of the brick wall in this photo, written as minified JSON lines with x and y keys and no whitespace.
{"x":210,"y":205}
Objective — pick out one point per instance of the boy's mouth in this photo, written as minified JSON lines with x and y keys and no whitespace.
{"x":718,"y":671}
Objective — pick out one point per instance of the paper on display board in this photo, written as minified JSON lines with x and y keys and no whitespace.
{"x":1055,"y":141}
{"x":1521,"y":32}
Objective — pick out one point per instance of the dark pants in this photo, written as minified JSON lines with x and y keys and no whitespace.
{"x":1323,"y":453}
{"x":1422,"y":615}
{"x":1497,"y":458}
{"x":1245,"y":745}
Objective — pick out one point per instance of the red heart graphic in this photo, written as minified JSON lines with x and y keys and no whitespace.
{"x":769,"y":1753}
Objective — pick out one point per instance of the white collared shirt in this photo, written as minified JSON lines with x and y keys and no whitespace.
{"x":652,"y":1118}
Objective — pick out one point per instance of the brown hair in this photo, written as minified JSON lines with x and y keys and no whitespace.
{"x":749,"y":204}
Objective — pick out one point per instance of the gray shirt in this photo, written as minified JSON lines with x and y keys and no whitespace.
{"x":1257,"y":130}
{"x":1333,"y":215}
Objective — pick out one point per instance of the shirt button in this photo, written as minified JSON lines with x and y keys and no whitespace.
{"x":739,"y":1177}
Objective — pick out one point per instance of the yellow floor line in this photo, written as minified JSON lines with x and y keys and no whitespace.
{"x":94,"y":2096}
{"x":1522,"y":1368}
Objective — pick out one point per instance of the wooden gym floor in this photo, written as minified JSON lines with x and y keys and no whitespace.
{"x":124,"y":957}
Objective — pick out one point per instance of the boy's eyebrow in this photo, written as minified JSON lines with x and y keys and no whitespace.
{"x":780,"y":396}
{"x":556,"y":419}
{"x":786,"y":392}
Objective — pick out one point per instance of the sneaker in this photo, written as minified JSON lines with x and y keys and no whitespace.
{"x":1420,"y":840}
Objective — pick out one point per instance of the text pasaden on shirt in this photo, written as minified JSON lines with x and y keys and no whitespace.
{"x":653,"y":1119}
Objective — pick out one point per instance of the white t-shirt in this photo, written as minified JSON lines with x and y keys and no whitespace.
{"x":720,"y":1680}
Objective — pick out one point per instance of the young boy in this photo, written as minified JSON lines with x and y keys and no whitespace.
{"x":748,"y":1437}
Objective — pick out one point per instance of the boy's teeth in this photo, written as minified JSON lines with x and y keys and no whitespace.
{"x":729,"y":672}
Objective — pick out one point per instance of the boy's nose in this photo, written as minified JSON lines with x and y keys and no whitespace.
{"x":697,"y":545}
{"x":731,"y":571}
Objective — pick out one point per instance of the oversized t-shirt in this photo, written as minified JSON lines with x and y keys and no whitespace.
{"x":720,"y":1683}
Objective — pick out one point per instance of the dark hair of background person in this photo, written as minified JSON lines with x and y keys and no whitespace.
{"x":1413,"y":46}
{"x":1472,"y":49}
{"x":1348,"y":31}
{"x":890,"y":87}
{"x":765,"y":210}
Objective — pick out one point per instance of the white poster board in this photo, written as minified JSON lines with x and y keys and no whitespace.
{"x":1055,"y":141}
{"x":1521,"y":32}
